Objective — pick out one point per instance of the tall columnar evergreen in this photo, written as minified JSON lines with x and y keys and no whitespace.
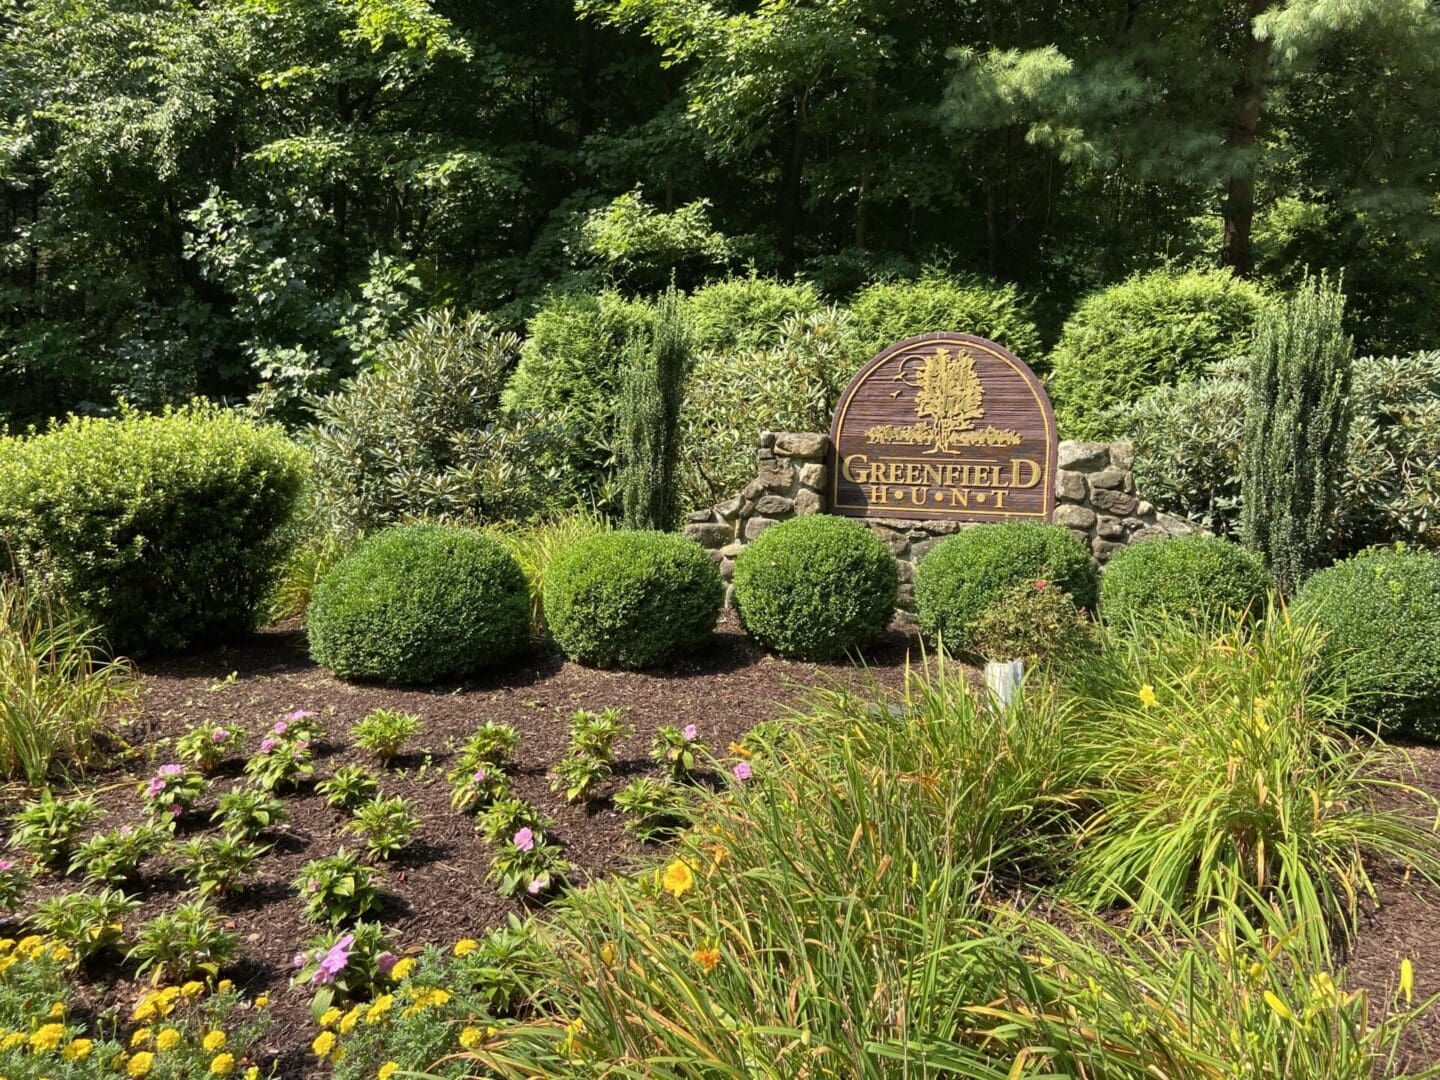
{"x":652,"y":391}
{"x":1297,"y":421}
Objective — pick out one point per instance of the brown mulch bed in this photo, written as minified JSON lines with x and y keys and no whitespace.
{"x":437,"y":892}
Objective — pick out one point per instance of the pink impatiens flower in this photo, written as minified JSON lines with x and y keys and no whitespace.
{"x":172,"y":770}
{"x":280,"y":727}
{"x":299,"y":714}
{"x":5,"y":865}
{"x":219,"y":735}
{"x":385,"y":962}
{"x":524,"y":839}
{"x":534,"y":887}
{"x":176,"y":810}
{"x":742,"y":771}
{"x":479,"y":776}
{"x":155,"y":787}
{"x":266,"y":745}
{"x":689,"y":732}
{"x":334,"y":961}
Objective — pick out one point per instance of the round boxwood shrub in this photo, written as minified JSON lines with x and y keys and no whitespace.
{"x":1381,"y":614}
{"x":631,"y":599}
{"x":815,"y":586}
{"x":1161,"y":327}
{"x":966,"y":573}
{"x":420,"y":603}
{"x":160,"y":530}
{"x":1196,"y":576}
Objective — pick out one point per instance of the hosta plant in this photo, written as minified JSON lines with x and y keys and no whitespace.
{"x":343,"y":965}
{"x":528,"y":864}
{"x":87,"y":923}
{"x":337,"y":889}
{"x":591,"y":753}
{"x":47,"y":828}
{"x":111,"y":858}
{"x":216,"y":865}
{"x":386,"y":825}
{"x":245,"y":813}
{"x":653,"y":809}
{"x":384,"y":731}
{"x":183,"y":943}
{"x":171,"y":792}
{"x":477,"y":788}
{"x":348,"y":787}
{"x":205,"y":746}
{"x":678,"y":748}
{"x":503,"y":818}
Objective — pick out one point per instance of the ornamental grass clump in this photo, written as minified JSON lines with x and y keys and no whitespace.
{"x":1214,"y":771}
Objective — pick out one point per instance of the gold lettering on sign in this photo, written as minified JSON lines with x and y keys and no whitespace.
{"x":949,"y":399}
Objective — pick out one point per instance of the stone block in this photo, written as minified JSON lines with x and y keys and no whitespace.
{"x":906,"y":596}
{"x":729,"y":510}
{"x":756,"y":525}
{"x":1110,"y":528}
{"x":711,"y":537}
{"x":1070,"y":487}
{"x":897,"y":542}
{"x":1084,"y":456}
{"x":1103,"y":549}
{"x":767,"y":440}
{"x":1144,"y":509}
{"x":1119,"y":503}
{"x":777,"y":475}
{"x":730,"y":596}
{"x":906,"y":570}
{"x":814,"y":475}
{"x":923,"y":548}
{"x":695,"y":517}
{"x":1111,"y":479}
{"x":727,"y":569}
{"x":808,"y":502}
{"x":732,"y":549}
{"x":1122,"y":455}
{"x":802,"y":444}
{"x":774,"y":506}
{"x":1074,"y":517}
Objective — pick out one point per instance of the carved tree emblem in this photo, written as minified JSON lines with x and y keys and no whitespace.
{"x":949,"y":395}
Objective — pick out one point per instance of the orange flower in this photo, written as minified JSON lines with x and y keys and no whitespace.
{"x":706,"y":958}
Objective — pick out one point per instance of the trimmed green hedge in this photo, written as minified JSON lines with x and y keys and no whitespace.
{"x":1381,"y":613}
{"x":747,"y":312}
{"x":815,"y":587}
{"x":632,"y":599}
{"x":1152,"y":329}
{"x":1200,"y":577}
{"x":966,"y":573}
{"x":420,"y":603}
{"x":160,"y":530}
{"x":888,"y":312}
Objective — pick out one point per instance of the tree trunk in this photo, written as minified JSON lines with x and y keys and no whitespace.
{"x":1239,"y":213}
{"x":791,"y":186}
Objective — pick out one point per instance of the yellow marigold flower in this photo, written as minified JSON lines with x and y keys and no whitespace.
{"x":323,"y":1044}
{"x":706,"y":958}
{"x":167,"y":1039}
{"x":222,"y":1065}
{"x":679,"y":878}
{"x":193,"y":988}
{"x":378,"y":1008}
{"x":349,"y":1020}
{"x":387,"y":1070}
{"x":6,"y":962}
{"x":6,"y":944}
{"x":141,"y":1037}
{"x":140,"y":1064}
{"x":252,"y":1073}
{"x":214,"y":1040}
{"x":145,"y":1008}
{"x":261,"y":1000}
{"x":224,"y":986}
{"x":78,"y":1050}
{"x":60,"y":954}
{"x":1147,"y":696}
{"x":329,"y":1016}
{"x":402,"y":969}
{"x":47,"y":1038}
{"x":14,"y":1039}
{"x":465,"y":946}
{"x":57,"y":1010}
{"x":29,"y":945}
{"x":470,"y":1037}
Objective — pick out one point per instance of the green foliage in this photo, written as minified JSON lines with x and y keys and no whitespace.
{"x":490,"y":744}
{"x":591,"y":753}
{"x":1034,"y":622}
{"x":738,"y":314}
{"x":1380,"y":612}
{"x":653,"y":809}
{"x":533,"y":546}
{"x":129,"y":519}
{"x":640,"y":246}
{"x":14,"y":880}
{"x":284,"y":760}
{"x":336,"y":889}
{"x":420,"y":435}
{"x":47,"y":828}
{"x":112,"y":858}
{"x":245,"y":813}
{"x":815,"y":587}
{"x":504,"y":817}
{"x":384,"y":731}
{"x":217,"y":865}
{"x":681,"y":750}
{"x":888,"y":312}
{"x":1152,"y":329}
{"x":651,"y":391}
{"x":478,"y":777}
{"x":1190,"y":577}
{"x":528,"y":863}
{"x":88,"y":924}
{"x":206,"y":745}
{"x":348,"y":787}
{"x":345,"y":965}
{"x":965,"y":574}
{"x":632,"y":599}
{"x":171,"y":792}
{"x":420,"y":603}
{"x":1297,"y":424}
{"x":186,"y":942}
{"x":386,"y":825}
{"x":59,"y":698}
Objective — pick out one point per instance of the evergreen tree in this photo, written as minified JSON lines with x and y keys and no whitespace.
{"x":650,"y":397}
{"x":1297,"y":422}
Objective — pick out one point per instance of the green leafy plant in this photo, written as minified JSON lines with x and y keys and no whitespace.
{"x":217,"y":865}
{"x":420,"y":603}
{"x":652,"y":388}
{"x":1035,"y":622}
{"x":284,"y":760}
{"x":816,"y":587}
{"x":1197,"y":577}
{"x":386,"y":825}
{"x":528,"y":863}
{"x":478,"y":777}
{"x":14,"y":880}
{"x":534,"y":546}
{"x":632,"y":599}
{"x":48,"y":828}
{"x":185,"y":942}
{"x":890,"y":311}
{"x":337,"y":889}
{"x":86,"y":923}
{"x":653,"y":809}
{"x":477,"y":788}
{"x":679,"y":748}
{"x":384,"y":731}
{"x":589,"y":758}
{"x":113,"y":857}
{"x":503,"y":818}
{"x":171,"y":792}
{"x":348,"y":787}
{"x":344,"y":965}
{"x":245,"y":813}
{"x":205,"y":746}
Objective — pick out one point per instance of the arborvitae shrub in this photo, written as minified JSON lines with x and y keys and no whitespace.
{"x":632,"y":599}
{"x":1199,"y":577}
{"x":419,"y":603}
{"x":160,"y":530}
{"x":815,"y":586}
{"x":1381,"y":615}
{"x":892,"y":311}
{"x":1161,"y":327}
{"x":651,"y":394}
{"x":966,"y":573}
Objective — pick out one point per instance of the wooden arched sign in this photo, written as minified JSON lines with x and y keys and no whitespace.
{"x":944,"y":426}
